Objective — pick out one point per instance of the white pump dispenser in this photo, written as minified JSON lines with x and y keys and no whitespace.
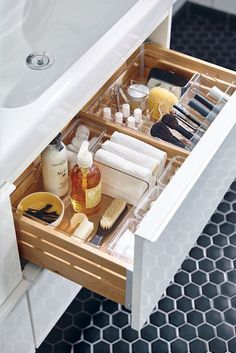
{"x":84,"y":157}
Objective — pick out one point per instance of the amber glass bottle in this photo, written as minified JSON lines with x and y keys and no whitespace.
{"x":85,"y":183}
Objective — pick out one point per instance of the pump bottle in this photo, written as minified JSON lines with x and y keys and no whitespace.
{"x":85,"y":183}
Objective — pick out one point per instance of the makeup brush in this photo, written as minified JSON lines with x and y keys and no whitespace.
{"x":171,"y":121}
{"x":160,"y":130}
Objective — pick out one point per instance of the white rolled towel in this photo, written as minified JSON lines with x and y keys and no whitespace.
{"x":141,"y":147}
{"x":116,"y":162}
{"x":133,"y":156}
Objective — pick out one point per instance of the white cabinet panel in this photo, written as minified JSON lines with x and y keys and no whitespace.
{"x":204,"y":2}
{"x":49,"y":296}
{"x":228,"y":6}
{"x":10,"y":270}
{"x":16,"y":332}
{"x":158,"y":258}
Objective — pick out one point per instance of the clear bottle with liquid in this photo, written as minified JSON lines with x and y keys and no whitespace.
{"x":85,"y":183}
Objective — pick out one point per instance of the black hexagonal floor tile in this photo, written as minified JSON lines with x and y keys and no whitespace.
{"x":92,"y":334}
{"x":158,"y":318}
{"x":120,"y":346}
{"x":191,"y":290}
{"x":74,"y":307}
{"x":198,"y":346}
{"x":166,"y":304}
{"x":65,"y":321}
{"x":101,"y":347}
{"x":209,"y":290}
{"x":140,"y":346}
{"x":174,"y":290}
{"x":196,"y":253}
{"x":62,"y":347}
{"x":92,"y":306}
{"x":111,"y":334}
{"x":120,"y":319}
{"x":230,"y":316}
{"x":195,"y":317}
{"x":232,"y":345}
{"x":168,"y":332}
{"x":214,"y":317}
{"x":188,"y":332}
{"x":199,"y":277}
{"x":54,"y":336}
{"x":206,"y":332}
{"x":179,"y":346}
{"x":202,"y":303}
{"x":149,"y":333}
{"x":45,"y":348}
{"x":160,"y":346}
{"x":82,"y":320}
{"x":220,"y":240}
{"x":109,"y":306}
{"x":231,"y":275}
{"x":82,"y":347}
{"x":204,"y":240}
{"x":225,"y":331}
{"x":101,"y":319}
{"x":129,"y":334}
{"x":228,"y":289}
{"x":184,"y":304}
{"x":181,"y":277}
{"x":217,"y":346}
{"x":176,"y":318}
{"x":217,"y":277}
{"x":72,"y":334}
{"x":189,"y":265}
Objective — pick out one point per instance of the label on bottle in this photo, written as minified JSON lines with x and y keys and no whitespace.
{"x":93,"y":196}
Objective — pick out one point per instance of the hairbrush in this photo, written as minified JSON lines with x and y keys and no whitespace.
{"x":109,"y":220}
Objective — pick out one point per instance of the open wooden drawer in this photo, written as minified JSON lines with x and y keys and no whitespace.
{"x":169,"y":229}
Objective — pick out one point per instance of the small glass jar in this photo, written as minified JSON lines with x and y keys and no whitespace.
{"x":138,"y":96}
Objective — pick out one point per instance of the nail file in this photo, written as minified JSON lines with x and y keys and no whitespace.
{"x":110,"y":219}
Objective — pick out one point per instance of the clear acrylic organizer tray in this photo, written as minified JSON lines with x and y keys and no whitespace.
{"x":122,"y":244}
{"x":169,"y":171}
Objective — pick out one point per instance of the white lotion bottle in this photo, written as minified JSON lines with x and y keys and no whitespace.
{"x":55,"y":167}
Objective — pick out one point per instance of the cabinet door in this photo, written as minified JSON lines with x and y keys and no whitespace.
{"x":49,"y":296}
{"x":173,"y":224}
{"x":15,"y":330}
{"x":10,"y":270}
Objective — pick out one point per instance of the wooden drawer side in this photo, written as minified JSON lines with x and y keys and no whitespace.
{"x":57,"y":252}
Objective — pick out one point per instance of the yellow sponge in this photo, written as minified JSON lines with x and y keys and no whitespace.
{"x":160,"y":102}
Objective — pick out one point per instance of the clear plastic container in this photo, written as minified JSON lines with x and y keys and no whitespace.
{"x":169,"y":171}
{"x":146,"y":202}
{"x":95,"y":136}
{"x":122,"y":245}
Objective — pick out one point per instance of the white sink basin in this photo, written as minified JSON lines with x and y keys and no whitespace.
{"x":88,"y":40}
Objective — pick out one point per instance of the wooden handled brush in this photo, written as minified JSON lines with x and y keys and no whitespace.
{"x":111,"y":218}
